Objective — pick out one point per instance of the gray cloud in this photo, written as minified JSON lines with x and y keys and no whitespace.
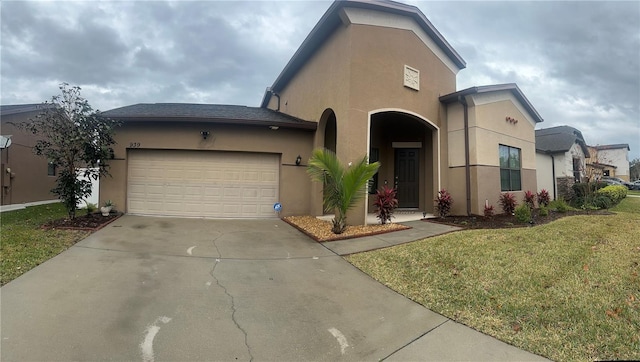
{"x":577,"y":62}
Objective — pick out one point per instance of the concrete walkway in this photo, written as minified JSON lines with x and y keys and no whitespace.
{"x":419,"y":230}
{"x":12,"y":207}
{"x":150,"y":289}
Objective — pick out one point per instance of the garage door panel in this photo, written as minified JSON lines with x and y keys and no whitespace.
{"x":204,"y":184}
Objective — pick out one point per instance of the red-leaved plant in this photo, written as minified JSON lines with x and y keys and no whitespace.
{"x":385,"y":203}
{"x":443,"y":203}
{"x":508,"y":203}
{"x":488,"y":210}
{"x":543,"y":198}
{"x":530,"y":199}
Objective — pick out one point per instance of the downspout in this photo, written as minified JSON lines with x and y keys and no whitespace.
{"x":553,"y":174}
{"x":467,"y":166}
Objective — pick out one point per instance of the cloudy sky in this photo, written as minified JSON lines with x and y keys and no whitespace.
{"x":577,"y":62}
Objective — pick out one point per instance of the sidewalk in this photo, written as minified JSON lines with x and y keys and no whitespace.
{"x":449,"y":341}
{"x":12,"y":207}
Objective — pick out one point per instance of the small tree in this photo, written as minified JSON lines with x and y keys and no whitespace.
{"x":344,"y":186}
{"x":634,"y":169}
{"x":72,"y":136}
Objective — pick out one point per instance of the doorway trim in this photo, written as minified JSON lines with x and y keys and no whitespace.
{"x":436,"y":129}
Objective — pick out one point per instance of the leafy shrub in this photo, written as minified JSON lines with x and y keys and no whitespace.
{"x":543,"y":198}
{"x":385,"y":203}
{"x":601,"y":201}
{"x":508,"y":202}
{"x":523,"y":213}
{"x":488,"y":210}
{"x":530,"y":199}
{"x":543,"y":211}
{"x":560,"y":205}
{"x":602,"y":198}
{"x":582,"y":189}
{"x":91,"y":208}
{"x":614,"y":192}
{"x":443,"y":203}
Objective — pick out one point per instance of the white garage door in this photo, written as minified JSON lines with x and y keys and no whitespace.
{"x":202,"y":183}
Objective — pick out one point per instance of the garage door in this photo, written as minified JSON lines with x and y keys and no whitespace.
{"x":202,"y":183}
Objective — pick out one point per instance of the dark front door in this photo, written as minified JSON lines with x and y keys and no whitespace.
{"x":406,"y":173}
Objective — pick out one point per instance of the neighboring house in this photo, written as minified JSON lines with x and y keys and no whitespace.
{"x":373,"y":78}
{"x":597,"y":166}
{"x":611,"y":160}
{"x":25,"y":177}
{"x":561,"y":154}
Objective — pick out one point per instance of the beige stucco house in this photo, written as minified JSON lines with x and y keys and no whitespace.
{"x":24,"y":176}
{"x":372,"y":78}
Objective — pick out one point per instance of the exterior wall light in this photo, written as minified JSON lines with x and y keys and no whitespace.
{"x":298,"y":160}
{"x":205,"y":134}
{"x":273,"y":128}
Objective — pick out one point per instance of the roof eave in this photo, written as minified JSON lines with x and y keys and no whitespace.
{"x":512,"y":87}
{"x":302,"y":125}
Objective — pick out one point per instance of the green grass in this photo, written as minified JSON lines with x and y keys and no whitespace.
{"x":629,"y":204}
{"x":24,"y":245}
{"x":633,"y":192}
{"x":568,"y":290}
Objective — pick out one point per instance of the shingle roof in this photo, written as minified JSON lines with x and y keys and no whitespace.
{"x":6,"y":110}
{"x":559,"y":139}
{"x":612,"y":147}
{"x":512,"y":87}
{"x":213,"y":113}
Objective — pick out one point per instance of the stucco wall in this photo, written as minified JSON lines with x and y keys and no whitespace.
{"x":294,"y":183}
{"x":28,"y":180}
{"x":618,"y":157}
{"x":488,"y":128}
{"x":487,"y":190}
{"x":544,"y":174}
{"x":360,"y":70}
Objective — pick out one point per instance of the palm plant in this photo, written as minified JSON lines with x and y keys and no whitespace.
{"x":343,"y":186}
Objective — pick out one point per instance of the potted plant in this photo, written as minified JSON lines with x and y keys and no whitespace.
{"x":106,"y":209}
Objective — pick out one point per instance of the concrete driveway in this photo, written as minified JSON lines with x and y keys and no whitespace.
{"x":189,"y":289}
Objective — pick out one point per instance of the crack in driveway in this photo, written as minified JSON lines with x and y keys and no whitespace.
{"x":233,"y":304}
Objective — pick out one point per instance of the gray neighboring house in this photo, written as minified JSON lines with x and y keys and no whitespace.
{"x":561,"y":154}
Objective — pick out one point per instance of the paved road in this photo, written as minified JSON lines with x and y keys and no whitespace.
{"x":185,"y":289}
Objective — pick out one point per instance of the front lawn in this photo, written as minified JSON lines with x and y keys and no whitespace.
{"x":25,"y":245}
{"x":567,"y":290}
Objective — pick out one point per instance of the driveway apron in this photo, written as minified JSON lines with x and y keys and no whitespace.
{"x":191,"y":289}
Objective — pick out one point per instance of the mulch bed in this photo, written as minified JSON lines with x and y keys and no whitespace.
{"x":320,"y":230}
{"x":504,"y":221}
{"x":90,"y":222}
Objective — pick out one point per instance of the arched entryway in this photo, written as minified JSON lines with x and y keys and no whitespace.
{"x":326,"y":137}
{"x":407,"y":146}
{"x":330,"y":130}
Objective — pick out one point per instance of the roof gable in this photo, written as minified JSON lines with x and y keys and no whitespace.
{"x":511,"y":87}
{"x":333,"y":17}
